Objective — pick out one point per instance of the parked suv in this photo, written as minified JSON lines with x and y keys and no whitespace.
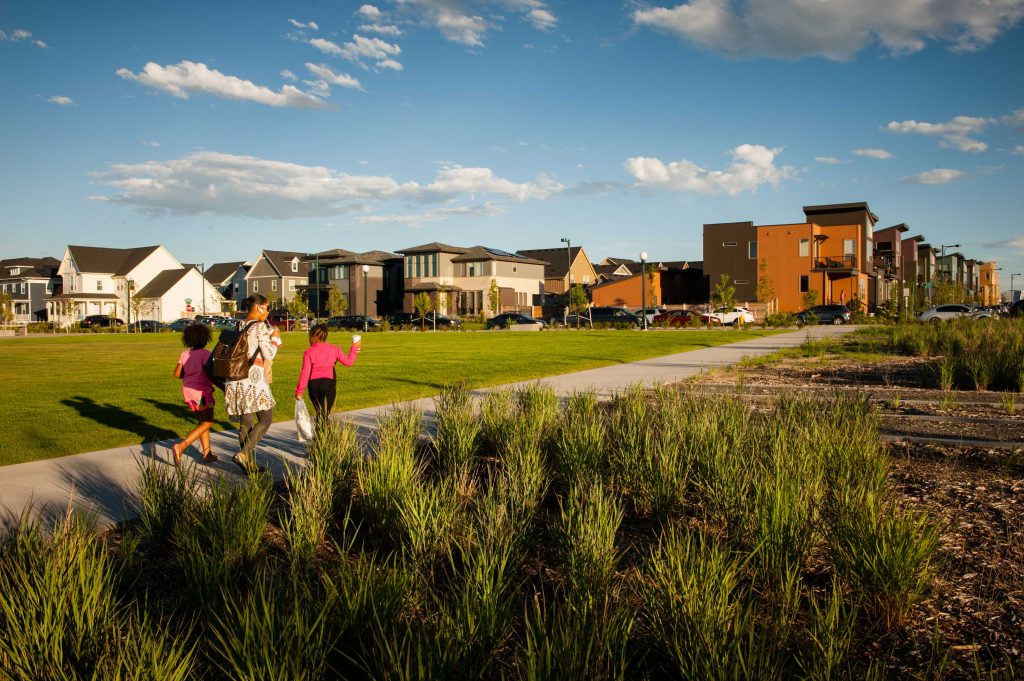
{"x":100,"y":321}
{"x":604,"y":315}
{"x":414,"y":319}
{"x":352,"y":321}
{"x":824,"y":314}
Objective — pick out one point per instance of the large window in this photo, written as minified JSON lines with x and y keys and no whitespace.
{"x":805,"y":248}
{"x":752,"y":250}
{"x":433,"y":265}
{"x":849,"y":247}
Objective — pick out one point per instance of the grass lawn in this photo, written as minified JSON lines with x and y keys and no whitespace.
{"x":72,"y":394}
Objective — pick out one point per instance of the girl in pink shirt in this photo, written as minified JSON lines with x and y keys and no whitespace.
{"x":318,"y":370}
{"x":196,"y":390}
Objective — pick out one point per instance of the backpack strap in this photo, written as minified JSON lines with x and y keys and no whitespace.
{"x":245,"y":334}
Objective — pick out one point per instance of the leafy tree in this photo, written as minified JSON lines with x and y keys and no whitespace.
{"x":946,"y":292}
{"x":272,"y":300}
{"x":337,"y":303}
{"x":494,"y":297}
{"x":65,"y":308}
{"x":724,"y":293}
{"x":423,"y":304}
{"x":765,"y":288}
{"x":578,"y":300}
{"x":652,"y":295}
{"x":811,"y":298}
{"x":6,"y":308}
{"x":297,"y":306}
{"x":132,"y":303}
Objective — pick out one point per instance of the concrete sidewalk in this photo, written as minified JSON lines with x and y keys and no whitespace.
{"x":105,"y":481}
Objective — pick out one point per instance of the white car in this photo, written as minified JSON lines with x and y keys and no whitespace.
{"x":941,"y":313}
{"x":650,"y":313}
{"x":728,"y":315}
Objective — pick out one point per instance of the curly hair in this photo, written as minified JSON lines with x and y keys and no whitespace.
{"x":318,"y":333}
{"x":196,"y":336}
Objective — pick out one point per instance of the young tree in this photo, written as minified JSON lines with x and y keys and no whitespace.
{"x":811,"y":298}
{"x":337,"y":303}
{"x":65,"y":308}
{"x":494,"y":297}
{"x":724,"y":293}
{"x":6,"y":308}
{"x":765,"y":288}
{"x":423,"y":305}
{"x":652,"y":295}
{"x":133,"y":305}
{"x":298,"y":307}
{"x":578,"y":301}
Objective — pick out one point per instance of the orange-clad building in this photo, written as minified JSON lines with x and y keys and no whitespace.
{"x":830,"y":254}
{"x":627,"y":292}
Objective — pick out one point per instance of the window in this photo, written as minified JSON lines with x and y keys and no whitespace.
{"x":255,"y":287}
{"x":24,"y":287}
{"x":728,"y":244}
{"x":99,"y":284}
{"x":752,"y":250}
{"x":419,"y":265}
{"x":849,"y":248}
{"x":433,"y":267}
{"x":408,"y":267}
{"x":741,"y":281}
{"x":291,"y":285}
{"x":805,"y":248}
{"x":295,"y":264}
{"x":805,"y":284}
{"x":273,"y":284}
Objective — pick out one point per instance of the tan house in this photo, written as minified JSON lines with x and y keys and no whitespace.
{"x":458,"y":280}
{"x":563,"y":265}
{"x":277,"y":275}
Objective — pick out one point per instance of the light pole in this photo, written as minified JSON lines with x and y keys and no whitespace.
{"x":316,"y":279}
{"x":366,"y":309}
{"x":1013,"y":299}
{"x":949,"y":274}
{"x":643,"y":290}
{"x":202,"y":271}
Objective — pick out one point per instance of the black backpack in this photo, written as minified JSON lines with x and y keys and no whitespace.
{"x":230,"y":360}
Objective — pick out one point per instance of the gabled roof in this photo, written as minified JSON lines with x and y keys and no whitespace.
{"x":433,"y":247}
{"x":376,"y":258}
{"x":220,"y":272}
{"x":616,"y":270}
{"x":478,"y":253}
{"x":329,"y":255}
{"x":162,"y":283}
{"x":32,"y":267}
{"x":115,"y":261}
{"x":557,"y":259}
{"x":281,"y":261}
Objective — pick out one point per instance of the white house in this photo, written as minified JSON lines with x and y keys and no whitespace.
{"x":104,"y":281}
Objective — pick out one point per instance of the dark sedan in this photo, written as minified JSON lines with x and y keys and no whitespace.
{"x":101,"y":321}
{"x":508,"y":319}
{"x":676,"y":318}
{"x":604,"y":315}
{"x":149,"y":326}
{"x":428,"y":321}
{"x":352,"y":321}
{"x":824,"y":314}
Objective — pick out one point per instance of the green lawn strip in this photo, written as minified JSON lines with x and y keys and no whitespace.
{"x":85,"y":393}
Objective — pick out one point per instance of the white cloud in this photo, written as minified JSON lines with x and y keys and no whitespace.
{"x":467,"y":21}
{"x":368,"y":11}
{"x":20,"y":35}
{"x":288,"y":75}
{"x":325,"y":73}
{"x":61,"y":100}
{"x":149,"y":143}
{"x":435,"y":215}
{"x":178,"y":80}
{"x":1015,"y":120}
{"x":390,"y":64}
{"x":542,"y":19}
{"x":936,"y":176}
{"x":955,"y":133}
{"x":298,"y":24}
{"x":360,"y":49}
{"x":880,"y":154}
{"x":753,"y":165}
{"x":461,"y":28}
{"x":829,"y":160}
{"x":1018,"y":150}
{"x":835,"y":29}
{"x":227,"y":184}
{"x":382,"y":29}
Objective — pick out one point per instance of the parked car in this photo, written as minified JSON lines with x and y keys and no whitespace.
{"x":675,"y":318}
{"x":604,"y":315}
{"x":352,"y":321}
{"x":728,"y":315}
{"x":1016,"y":309}
{"x":179,"y":324}
{"x":941,"y":313}
{"x":149,"y":326}
{"x":650,"y":313}
{"x":286,"y":322}
{"x":507,"y":319}
{"x":824,"y":314}
{"x":100,"y":321}
{"x":414,"y":319}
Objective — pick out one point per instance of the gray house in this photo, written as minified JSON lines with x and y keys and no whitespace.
{"x":229,"y":279}
{"x":278,"y":276}
{"x":29,"y":282}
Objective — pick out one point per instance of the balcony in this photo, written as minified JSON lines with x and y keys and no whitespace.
{"x":844,"y":264}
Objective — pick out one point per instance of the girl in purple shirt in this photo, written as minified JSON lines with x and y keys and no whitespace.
{"x":318,"y":370}
{"x":196,"y":390}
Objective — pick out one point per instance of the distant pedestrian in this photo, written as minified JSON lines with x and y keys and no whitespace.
{"x":196,"y":390}
{"x":249,"y":400}
{"x":318,"y":370}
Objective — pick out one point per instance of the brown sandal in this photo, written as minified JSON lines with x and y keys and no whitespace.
{"x":209,"y":456}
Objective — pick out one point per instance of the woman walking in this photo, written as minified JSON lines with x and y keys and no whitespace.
{"x":196,"y":390}
{"x":249,"y":400}
{"x":318,"y":370}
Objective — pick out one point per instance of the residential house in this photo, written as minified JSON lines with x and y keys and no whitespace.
{"x":632,"y":291}
{"x":612,"y":271}
{"x":988,"y":280}
{"x":369,"y":283}
{"x":888,"y":249}
{"x":229,"y":280}
{"x":108,"y":281}
{"x":458,"y":280}
{"x":829,"y":256}
{"x":564,"y":265}
{"x":29,"y":282}
{"x":278,"y":276}
{"x":910,"y":271}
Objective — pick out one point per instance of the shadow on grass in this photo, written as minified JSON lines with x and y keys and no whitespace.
{"x":116,"y":417}
{"x":180,"y":410}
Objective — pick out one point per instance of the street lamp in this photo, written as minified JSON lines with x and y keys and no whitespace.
{"x":949,"y":275}
{"x":568,"y":252}
{"x":643,"y":290}
{"x":1012,"y":299}
{"x":366,"y":308}
{"x":202,"y":271}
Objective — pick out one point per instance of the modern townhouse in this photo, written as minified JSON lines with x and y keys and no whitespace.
{"x":458,"y":280}
{"x":564,"y":266}
{"x":888,"y":250}
{"x":229,"y":279}
{"x":116,"y":281}
{"x":278,"y":276}
{"x":370,"y":283}
{"x":28,"y":283}
{"x":988,"y":282}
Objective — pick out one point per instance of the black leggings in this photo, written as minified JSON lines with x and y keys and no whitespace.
{"x":253,"y":428}
{"x":321,"y":393}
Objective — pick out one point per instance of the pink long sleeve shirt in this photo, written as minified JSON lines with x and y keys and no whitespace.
{"x":318,"y":362}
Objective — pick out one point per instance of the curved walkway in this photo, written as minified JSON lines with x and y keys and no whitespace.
{"x":104,"y":482}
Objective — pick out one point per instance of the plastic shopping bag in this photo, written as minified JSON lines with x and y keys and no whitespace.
{"x":303,"y":422}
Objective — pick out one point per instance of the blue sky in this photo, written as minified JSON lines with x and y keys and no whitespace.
{"x":220,"y":129}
